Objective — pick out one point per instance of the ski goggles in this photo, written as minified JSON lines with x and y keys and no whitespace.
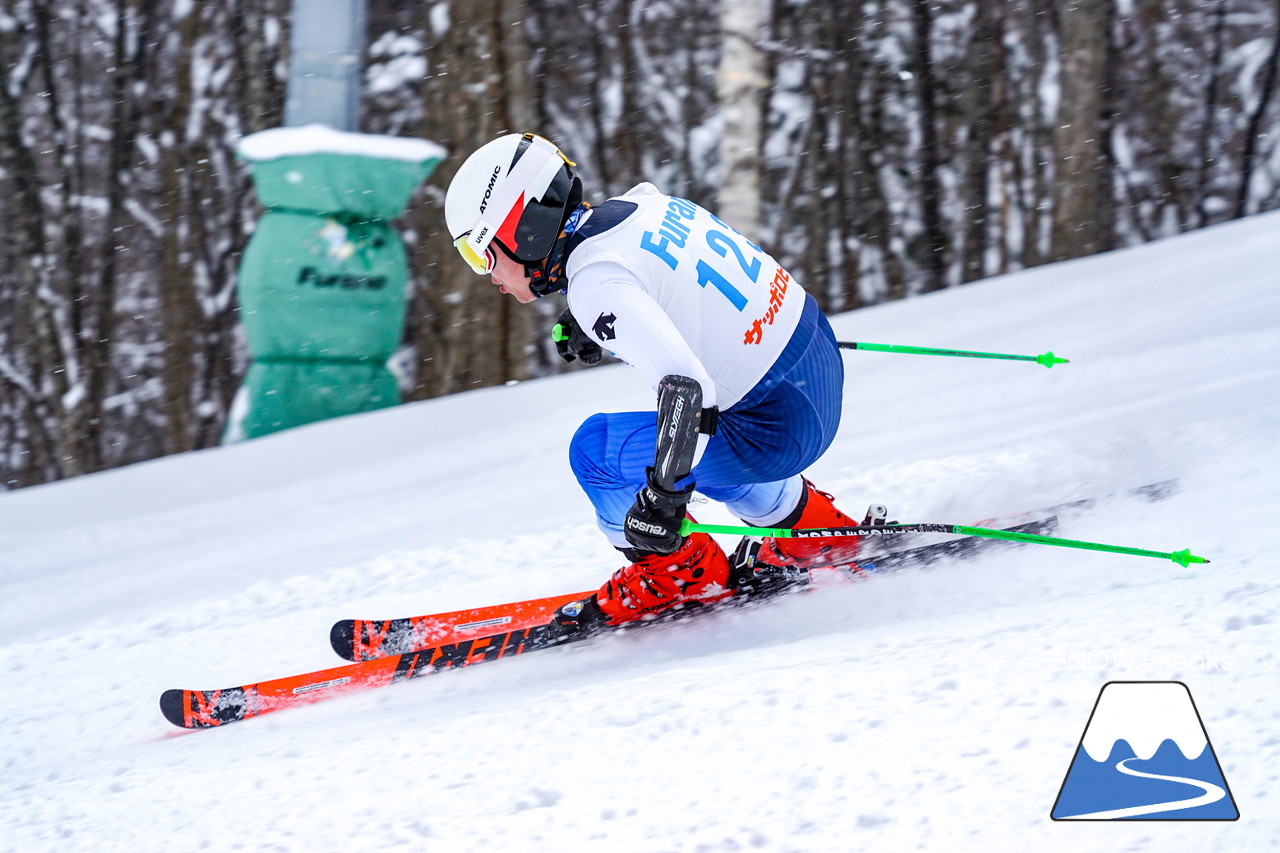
{"x":481,"y":260}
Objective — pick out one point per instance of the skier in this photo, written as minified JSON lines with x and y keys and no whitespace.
{"x":746,"y":368}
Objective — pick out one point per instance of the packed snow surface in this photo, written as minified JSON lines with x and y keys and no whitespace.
{"x":927,"y":710}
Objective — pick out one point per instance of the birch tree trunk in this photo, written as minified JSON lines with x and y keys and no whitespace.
{"x":740,"y":83}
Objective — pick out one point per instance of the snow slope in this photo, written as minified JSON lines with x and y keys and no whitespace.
{"x":930,"y":710}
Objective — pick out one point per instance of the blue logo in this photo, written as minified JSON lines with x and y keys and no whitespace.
{"x":1145,"y":755}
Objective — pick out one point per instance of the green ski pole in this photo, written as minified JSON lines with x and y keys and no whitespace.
{"x":1048,"y":359}
{"x":1182,"y":558}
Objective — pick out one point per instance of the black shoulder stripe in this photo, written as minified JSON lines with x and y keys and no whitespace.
{"x":608,"y":215}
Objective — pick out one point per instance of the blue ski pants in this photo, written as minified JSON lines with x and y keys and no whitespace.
{"x":762,"y":443}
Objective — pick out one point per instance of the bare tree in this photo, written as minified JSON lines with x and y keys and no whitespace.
{"x":468,"y":335}
{"x":933,"y":239}
{"x":127,"y":198}
{"x":1077,"y":143}
{"x":891,"y":133}
{"x":1208,"y":136}
{"x":985,"y":65}
{"x":1256,"y":118}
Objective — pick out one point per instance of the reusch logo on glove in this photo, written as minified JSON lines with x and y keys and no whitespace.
{"x":641,"y":526}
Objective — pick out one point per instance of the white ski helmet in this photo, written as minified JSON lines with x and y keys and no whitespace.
{"x":518,"y":189}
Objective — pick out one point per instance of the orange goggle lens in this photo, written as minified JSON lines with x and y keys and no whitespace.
{"x":481,"y":264}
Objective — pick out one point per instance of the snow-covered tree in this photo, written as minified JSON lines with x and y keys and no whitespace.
{"x":902,"y":145}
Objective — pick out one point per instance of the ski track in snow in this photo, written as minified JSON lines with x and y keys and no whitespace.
{"x":928,"y":710}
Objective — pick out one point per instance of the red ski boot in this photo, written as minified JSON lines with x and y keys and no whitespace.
{"x":815,"y":509}
{"x":696,"y":573}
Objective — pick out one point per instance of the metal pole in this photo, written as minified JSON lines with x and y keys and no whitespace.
{"x":326,"y":64}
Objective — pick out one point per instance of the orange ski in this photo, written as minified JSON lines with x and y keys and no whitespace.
{"x":202,"y":709}
{"x":451,"y":642}
{"x":367,"y":639}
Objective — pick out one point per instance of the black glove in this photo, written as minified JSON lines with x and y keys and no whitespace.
{"x":572,"y":342}
{"x":653,"y":522}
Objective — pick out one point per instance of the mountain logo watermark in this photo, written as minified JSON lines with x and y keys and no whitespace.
{"x":1144,"y":755}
